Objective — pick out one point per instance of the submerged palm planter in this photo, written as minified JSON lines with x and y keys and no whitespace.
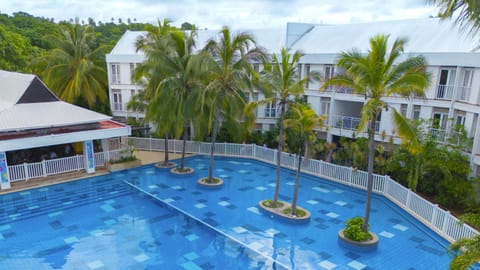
{"x":354,"y":237}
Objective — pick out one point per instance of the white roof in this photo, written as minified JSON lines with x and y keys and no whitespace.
{"x":45,"y":115}
{"x":271,"y":39}
{"x":424,"y":36}
{"x":32,"y":115}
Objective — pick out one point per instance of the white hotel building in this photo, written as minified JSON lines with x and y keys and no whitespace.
{"x":453,"y":97}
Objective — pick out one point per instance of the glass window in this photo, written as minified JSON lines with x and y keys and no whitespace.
{"x":115,"y":73}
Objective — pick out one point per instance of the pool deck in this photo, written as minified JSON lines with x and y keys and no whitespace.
{"x":145,"y":157}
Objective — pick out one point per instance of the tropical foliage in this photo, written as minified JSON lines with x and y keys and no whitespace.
{"x":467,"y":12}
{"x":304,"y":121}
{"x":377,"y":75}
{"x":229,"y":78}
{"x":281,"y":82}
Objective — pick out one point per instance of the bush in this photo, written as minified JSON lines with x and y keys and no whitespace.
{"x":353,"y":230}
{"x":269,"y":204}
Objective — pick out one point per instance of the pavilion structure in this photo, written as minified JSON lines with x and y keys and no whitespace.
{"x":36,"y":126}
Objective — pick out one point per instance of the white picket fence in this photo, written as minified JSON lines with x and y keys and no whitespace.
{"x":45,"y":168}
{"x":426,"y":212}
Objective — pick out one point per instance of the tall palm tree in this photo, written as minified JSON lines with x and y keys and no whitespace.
{"x":229,"y":79}
{"x":304,"y":121}
{"x":280,"y":77}
{"x":467,"y":12}
{"x":158,"y":106}
{"x":74,"y":70}
{"x":378,"y":75}
{"x":182,"y":74}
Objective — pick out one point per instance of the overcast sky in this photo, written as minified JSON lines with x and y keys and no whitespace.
{"x":213,"y":14}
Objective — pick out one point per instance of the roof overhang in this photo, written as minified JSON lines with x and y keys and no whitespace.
{"x":109,"y":129}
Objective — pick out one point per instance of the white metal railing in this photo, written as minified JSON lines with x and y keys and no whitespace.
{"x":443,"y":136}
{"x":428,"y":213}
{"x":445,"y":91}
{"x":464,"y":93}
{"x":348,"y":122}
{"x":45,"y":168}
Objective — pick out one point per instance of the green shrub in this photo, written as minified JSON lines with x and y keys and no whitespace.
{"x":353,"y":230}
{"x":299,"y":212}
{"x":269,"y":204}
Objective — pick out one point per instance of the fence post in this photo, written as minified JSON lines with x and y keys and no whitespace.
{"x":224,"y":148}
{"x":386,"y":182}
{"x":320,"y":170}
{"x":350,"y":176}
{"x":150,"y":143}
{"x":434,"y":215}
{"x":444,"y":225}
{"x":25,"y":168}
{"x":254,"y":151}
{"x":275,"y":154}
{"x":409,"y":195}
{"x":44,"y":168}
{"x":79,"y":165}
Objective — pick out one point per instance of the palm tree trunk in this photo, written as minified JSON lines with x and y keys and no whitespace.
{"x":297,"y":180}
{"x":166,"y":159}
{"x":371,"y":149}
{"x":279,"y":154}
{"x":182,"y":163}
{"x":212,"y":149}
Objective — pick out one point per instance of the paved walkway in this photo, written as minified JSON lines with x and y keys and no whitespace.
{"x":145,"y":157}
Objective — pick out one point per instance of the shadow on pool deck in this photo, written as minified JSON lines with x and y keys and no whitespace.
{"x":145,"y":157}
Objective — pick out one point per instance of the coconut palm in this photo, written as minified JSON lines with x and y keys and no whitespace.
{"x":468,"y":12}
{"x":74,"y":70}
{"x":182,"y":73}
{"x":280,"y":78}
{"x":157,"y":106}
{"x":229,"y":77}
{"x":304,"y":120}
{"x":379,"y":74}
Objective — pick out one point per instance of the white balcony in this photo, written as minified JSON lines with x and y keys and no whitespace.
{"x":348,"y":122}
{"x":117,"y":106}
{"x":444,"y":91}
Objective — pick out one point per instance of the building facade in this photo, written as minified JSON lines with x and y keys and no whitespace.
{"x":452,"y":100}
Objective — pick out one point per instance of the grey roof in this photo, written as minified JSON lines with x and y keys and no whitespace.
{"x":424,"y":36}
{"x":15,"y":115}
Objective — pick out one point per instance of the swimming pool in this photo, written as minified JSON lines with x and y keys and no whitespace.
{"x":121,"y":228}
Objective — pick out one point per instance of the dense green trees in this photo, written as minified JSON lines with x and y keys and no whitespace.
{"x":378,"y":75}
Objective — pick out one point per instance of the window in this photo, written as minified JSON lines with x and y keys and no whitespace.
{"x":460,"y":120}
{"x":307,"y":72}
{"x":440,"y":120}
{"x":299,"y":71}
{"x":256,"y":67}
{"x":115,"y":73}
{"x":446,"y":83}
{"x":403,"y":109}
{"x":325,"y":106}
{"x":132,"y":92}
{"x":416,"y":112}
{"x":271,"y":110}
{"x":329,"y":71}
{"x":117,"y":100}
{"x":466,"y":85}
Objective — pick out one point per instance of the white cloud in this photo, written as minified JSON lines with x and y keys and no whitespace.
{"x":216,"y":13}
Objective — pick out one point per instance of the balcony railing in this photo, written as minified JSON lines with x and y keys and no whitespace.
{"x":117,"y":106}
{"x":444,"y":91}
{"x":464,"y":93}
{"x":348,"y":122}
{"x":453,"y":138}
{"x":270,"y":112}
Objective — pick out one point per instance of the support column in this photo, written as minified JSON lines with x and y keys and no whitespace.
{"x":4,"y":174}
{"x":88,"y":156}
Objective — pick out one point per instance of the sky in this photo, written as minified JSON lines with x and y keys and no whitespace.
{"x":213,"y":14}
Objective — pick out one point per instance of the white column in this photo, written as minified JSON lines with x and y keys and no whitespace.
{"x":88,"y":156}
{"x":4,"y":174}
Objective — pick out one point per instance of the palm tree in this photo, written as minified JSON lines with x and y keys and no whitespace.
{"x":378,"y":75}
{"x":281,"y":80}
{"x":304,"y":121}
{"x":158,"y":105}
{"x":182,"y":72}
{"x":74,"y":70}
{"x":229,"y":77}
{"x":468,"y":12}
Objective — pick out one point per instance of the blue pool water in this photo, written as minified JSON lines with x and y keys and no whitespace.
{"x":104,"y":223}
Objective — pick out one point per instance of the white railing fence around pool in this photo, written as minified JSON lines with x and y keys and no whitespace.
{"x":46,"y":168}
{"x":428,"y":213}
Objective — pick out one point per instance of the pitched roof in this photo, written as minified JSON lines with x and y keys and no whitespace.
{"x":27,"y":103}
{"x":424,"y":36}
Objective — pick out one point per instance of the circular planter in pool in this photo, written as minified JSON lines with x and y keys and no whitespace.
{"x":216,"y":184}
{"x":278,"y":213}
{"x":365,"y":246}
{"x":186,"y":171}
{"x":169,"y":165}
